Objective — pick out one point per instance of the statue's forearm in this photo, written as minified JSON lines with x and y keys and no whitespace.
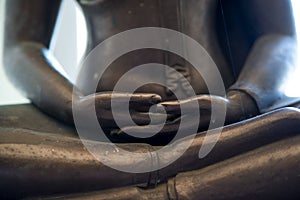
{"x":270,"y":64}
{"x":32,"y":73}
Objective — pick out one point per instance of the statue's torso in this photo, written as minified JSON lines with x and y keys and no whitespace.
{"x":196,"y":18}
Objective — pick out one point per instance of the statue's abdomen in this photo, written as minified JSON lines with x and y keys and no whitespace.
{"x":196,"y":18}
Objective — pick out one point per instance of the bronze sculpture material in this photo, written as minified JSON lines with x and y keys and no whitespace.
{"x":254,"y":51}
{"x":36,"y":77}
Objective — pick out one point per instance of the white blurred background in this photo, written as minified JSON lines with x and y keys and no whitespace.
{"x":68,"y":46}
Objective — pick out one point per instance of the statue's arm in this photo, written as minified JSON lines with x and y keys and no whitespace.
{"x":272,"y":59}
{"x":268,"y":68}
{"x":28,"y":29}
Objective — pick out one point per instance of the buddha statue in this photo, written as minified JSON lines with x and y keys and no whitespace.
{"x":252,"y":43}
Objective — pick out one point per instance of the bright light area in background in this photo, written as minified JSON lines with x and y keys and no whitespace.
{"x":291,"y":89}
{"x":8,"y":94}
{"x":68,"y":46}
{"x":69,"y":40}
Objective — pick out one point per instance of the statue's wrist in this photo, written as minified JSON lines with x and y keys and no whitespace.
{"x":241,"y":106}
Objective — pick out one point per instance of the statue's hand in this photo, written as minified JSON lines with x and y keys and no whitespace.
{"x":238,"y":105}
{"x":140,"y":104}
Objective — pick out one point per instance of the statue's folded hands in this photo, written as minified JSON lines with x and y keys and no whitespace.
{"x":239,"y":106}
{"x":101,"y":104}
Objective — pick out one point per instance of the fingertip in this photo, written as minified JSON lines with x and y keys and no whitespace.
{"x":146,"y":98}
{"x":115,"y":132}
{"x":155,"y":99}
{"x":170,"y":106}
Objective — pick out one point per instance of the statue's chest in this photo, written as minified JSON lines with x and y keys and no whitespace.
{"x":108,"y":17}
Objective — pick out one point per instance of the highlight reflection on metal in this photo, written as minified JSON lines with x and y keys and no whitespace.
{"x":289,"y":88}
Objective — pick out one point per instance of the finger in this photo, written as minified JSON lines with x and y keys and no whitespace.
{"x":201,"y":102}
{"x":170,"y":128}
{"x":148,"y":130}
{"x":189,"y":105}
{"x":188,"y":126}
{"x":145,"y":98}
{"x":147,"y":118}
{"x":107,"y":118}
{"x":140,"y":100}
{"x":172,"y":107}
